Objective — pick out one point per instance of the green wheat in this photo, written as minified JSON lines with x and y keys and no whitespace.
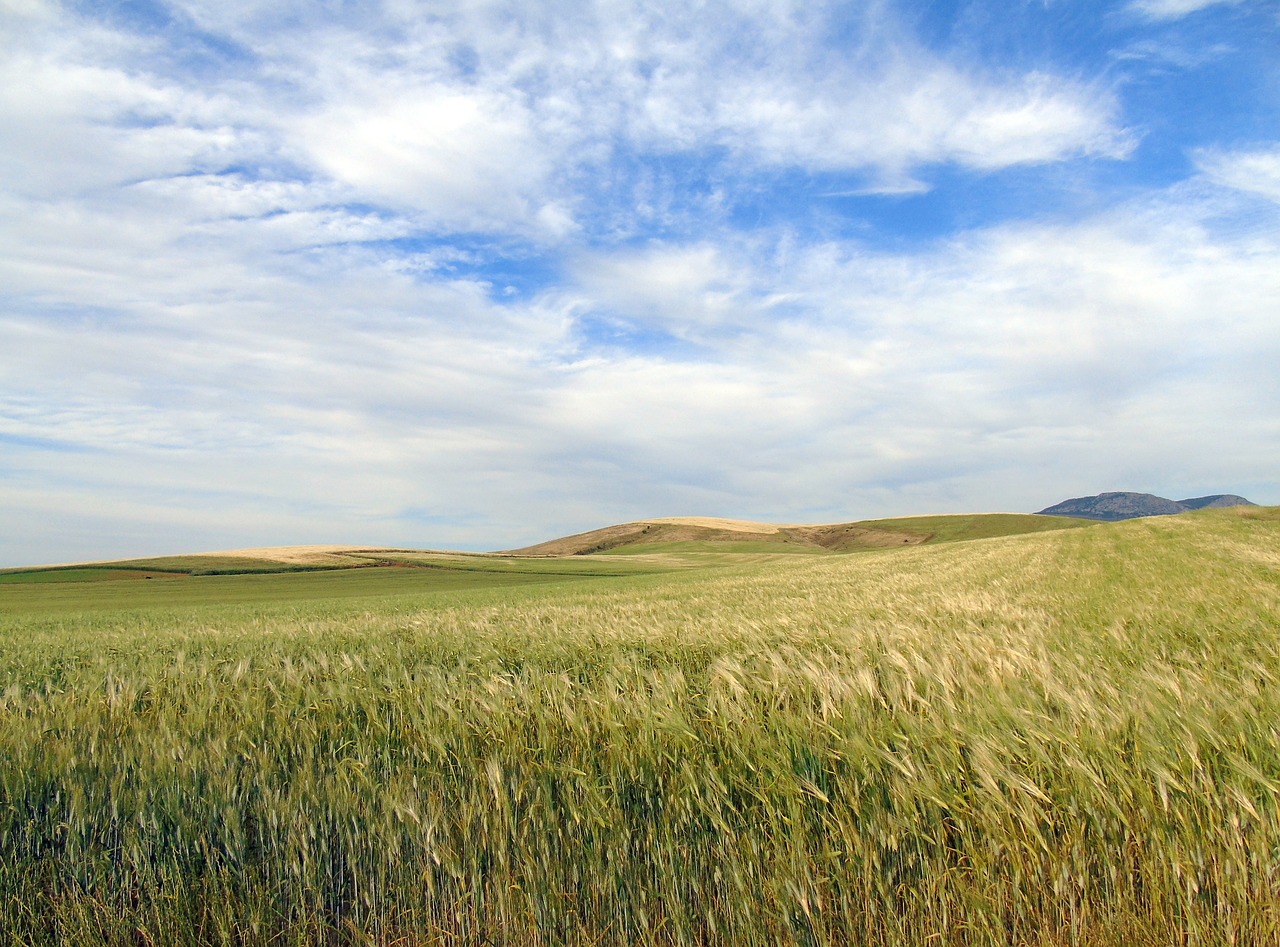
{"x":1065,"y":738}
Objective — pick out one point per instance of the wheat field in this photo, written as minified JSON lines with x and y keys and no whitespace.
{"x":1063,"y":738}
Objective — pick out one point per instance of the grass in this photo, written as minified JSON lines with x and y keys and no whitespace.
{"x":1063,"y":738}
{"x":718,"y":547}
{"x":87,"y":590}
{"x":84,"y":574}
{"x":962,"y":527}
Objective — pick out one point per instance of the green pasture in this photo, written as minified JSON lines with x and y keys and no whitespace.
{"x":89,"y":590}
{"x":83,"y":574}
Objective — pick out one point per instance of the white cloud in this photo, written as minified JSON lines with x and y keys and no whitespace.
{"x":688,"y":290}
{"x":466,"y":160}
{"x":1174,"y":9}
{"x":70,"y":128}
{"x":1254,"y":172}
{"x":922,"y":113}
{"x":1040,"y":122}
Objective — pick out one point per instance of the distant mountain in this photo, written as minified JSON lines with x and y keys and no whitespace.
{"x":1126,"y":506}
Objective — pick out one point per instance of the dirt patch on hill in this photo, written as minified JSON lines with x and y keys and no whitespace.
{"x":674,"y":530}
{"x":302,"y":555}
{"x":583,"y":544}
{"x":842,"y":537}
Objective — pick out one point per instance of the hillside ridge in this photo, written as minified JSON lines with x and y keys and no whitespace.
{"x":790,"y":537}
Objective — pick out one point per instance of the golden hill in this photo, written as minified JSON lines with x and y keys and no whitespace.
{"x":831,"y":537}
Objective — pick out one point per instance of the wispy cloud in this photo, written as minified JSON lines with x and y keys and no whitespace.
{"x":1253,"y":171}
{"x":426,"y":112}
{"x":1174,"y":9}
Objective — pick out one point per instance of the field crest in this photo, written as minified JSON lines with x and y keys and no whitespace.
{"x":314,"y":555}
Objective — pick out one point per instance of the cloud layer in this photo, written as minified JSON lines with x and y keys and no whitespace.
{"x":472,"y":274}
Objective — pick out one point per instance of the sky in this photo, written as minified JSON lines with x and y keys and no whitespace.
{"x":476,"y":274}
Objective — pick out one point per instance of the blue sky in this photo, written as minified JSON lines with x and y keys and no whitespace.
{"x":470,"y":275}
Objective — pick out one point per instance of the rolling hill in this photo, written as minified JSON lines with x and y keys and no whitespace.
{"x":645,"y":538}
{"x":692,"y":532}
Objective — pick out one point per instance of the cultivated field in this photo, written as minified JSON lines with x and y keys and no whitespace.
{"x":1067,"y":737}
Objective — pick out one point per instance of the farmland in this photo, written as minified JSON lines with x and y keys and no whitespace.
{"x":1061,"y":737}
